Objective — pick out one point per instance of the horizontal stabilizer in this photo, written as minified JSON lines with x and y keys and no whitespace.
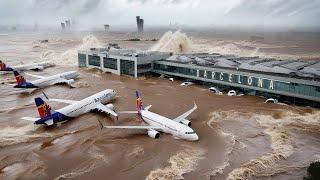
{"x":30,"y":119}
{"x":148,"y":107}
{"x":49,"y":122}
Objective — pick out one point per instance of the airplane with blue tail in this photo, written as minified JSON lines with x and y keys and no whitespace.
{"x":178,"y":127}
{"x":62,"y":78}
{"x":24,"y":67}
{"x":48,"y":117}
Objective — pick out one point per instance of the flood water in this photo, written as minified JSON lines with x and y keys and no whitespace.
{"x":240,"y":137}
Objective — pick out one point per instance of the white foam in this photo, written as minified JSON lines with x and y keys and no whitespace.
{"x":173,"y":42}
{"x":183,"y":162}
{"x":70,"y":57}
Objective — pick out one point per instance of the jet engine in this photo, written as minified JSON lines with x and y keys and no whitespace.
{"x":38,"y":68}
{"x":186,"y":122}
{"x":70,"y":81}
{"x":111,"y":106}
{"x":153,"y":134}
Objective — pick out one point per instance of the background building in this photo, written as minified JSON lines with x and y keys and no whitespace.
{"x":140,"y":23}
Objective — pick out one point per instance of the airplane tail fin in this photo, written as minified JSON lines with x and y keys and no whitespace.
{"x":44,"y":109}
{"x":19,"y":78}
{"x":139,"y":105}
{"x":4,"y":67}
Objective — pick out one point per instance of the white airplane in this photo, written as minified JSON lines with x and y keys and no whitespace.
{"x":66,"y":77}
{"x":23,"y":67}
{"x":178,"y":127}
{"x":76,"y":108}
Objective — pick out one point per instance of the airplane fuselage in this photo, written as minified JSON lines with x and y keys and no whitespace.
{"x":79,"y":107}
{"x":33,"y":66}
{"x":51,"y":80}
{"x":169,"y":126}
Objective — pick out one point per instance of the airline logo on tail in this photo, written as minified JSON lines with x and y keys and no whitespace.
{"x":139,"y":105}
{"x":44,"y":109}
{"x":20,"y":79}
{"x":3,"y":67}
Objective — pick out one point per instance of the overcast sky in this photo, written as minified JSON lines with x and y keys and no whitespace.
{"x":90,"y":13}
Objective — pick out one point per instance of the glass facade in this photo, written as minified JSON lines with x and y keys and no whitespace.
{"x":94,"y":60}
{"x":269,"y":84}
{"x":144,"y":66}
{"x":110,"y":63}
{"x":82,"y":60}
{"x":127,"y":67}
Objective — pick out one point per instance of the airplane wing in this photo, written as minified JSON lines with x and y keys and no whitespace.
{"x":103,"y":108}
{"x":61,"y":80}
{"x":36,"y":76}
{"x":63,"y":101}
{"x":132,"y":127}
{"x":186,"y":114}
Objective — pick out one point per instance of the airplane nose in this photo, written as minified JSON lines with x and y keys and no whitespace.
{"x":194,"y":137}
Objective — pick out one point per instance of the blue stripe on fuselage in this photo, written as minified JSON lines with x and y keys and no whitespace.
{"x":56,"y":116}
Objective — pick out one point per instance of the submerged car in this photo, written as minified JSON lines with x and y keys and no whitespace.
{"x":271,"y":100}
{"x":232,"y":93}
{"x":186,"y":83}
{"x":215,"y":90}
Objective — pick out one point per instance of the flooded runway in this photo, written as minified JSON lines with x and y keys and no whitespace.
{"x":240,"y":137}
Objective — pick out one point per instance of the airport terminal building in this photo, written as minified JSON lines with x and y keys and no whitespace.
{"x":296,"y":79}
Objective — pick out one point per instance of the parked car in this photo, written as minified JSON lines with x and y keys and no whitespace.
{"x":272,"y":100}
{"x":232,"y":93}
{"x":215,"y":90}
{"x":171,"y":79}
{"x":186,"y":83}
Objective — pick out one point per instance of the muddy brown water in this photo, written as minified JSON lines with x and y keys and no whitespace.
{"x":240,"y":137}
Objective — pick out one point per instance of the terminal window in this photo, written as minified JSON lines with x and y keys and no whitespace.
{"x":94,"y":60}
{"x":110,"y":63}
{"x":82,"y":60}
{"x":144,"y":66}
{"x":127,"y":67}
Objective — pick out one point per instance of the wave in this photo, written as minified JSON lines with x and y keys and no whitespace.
{"x":277,"y":126}
{"x":96,"y":160}
{"x":183,"y":162}
{"x":70,"y":57}
{"x":229,"y":139}
{"x":173,"y":42}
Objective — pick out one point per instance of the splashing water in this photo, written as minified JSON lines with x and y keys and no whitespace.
{"x":278,"y":127}
{"x":183,"y":162}
{"x":173,"y":42}
{"x":70,"y":57}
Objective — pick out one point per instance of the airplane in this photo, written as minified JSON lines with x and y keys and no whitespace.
{"x":178,"y":127}
{"x":66,"y":77}
{"x":74,"y":109}
{"x":33,"y":66}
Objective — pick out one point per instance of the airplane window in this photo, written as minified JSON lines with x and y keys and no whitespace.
{"x":190,"y":132}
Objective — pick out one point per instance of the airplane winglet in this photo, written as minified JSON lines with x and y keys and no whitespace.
{"x":44,"y":94}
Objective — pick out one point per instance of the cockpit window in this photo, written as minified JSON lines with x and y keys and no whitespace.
{"x":190,"y":132}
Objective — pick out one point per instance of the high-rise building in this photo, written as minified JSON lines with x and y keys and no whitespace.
{"x":63,"y":26}
{"x":106,"y":27}
{"x":139,"y":24}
